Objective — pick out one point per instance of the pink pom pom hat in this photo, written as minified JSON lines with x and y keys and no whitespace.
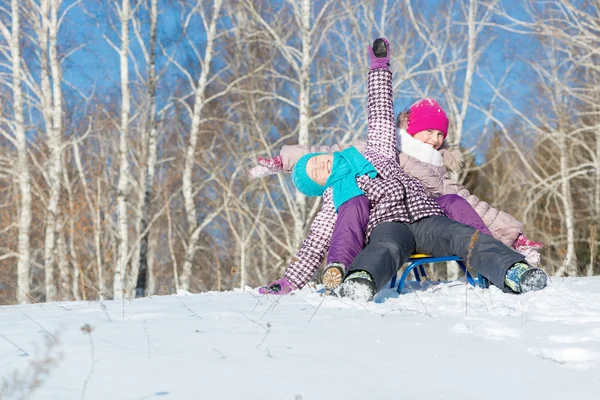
{"x":427,"y":114}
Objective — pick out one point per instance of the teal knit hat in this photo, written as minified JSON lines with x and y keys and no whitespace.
{"x":302,"y":181}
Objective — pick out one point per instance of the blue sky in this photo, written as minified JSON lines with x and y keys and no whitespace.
{"x":95,"y":66}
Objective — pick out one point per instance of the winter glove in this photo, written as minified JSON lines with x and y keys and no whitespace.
{"x":532,"y":257}
{"x":529,"y":249}
{"x":379,"y":55}
{"x":268,"y":166}
{"x":280,"y":286}
{"x":522,"y":241}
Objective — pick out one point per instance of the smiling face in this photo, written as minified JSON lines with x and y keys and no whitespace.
{"x":318,"y":168}
{"x":433,"y":137}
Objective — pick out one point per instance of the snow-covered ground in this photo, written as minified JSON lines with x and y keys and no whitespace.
{"x":442,"y":342}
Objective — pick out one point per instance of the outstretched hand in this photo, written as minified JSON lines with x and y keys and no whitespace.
{"x":529,"y":249}
{"x":268,"y":166}
{"x":280,"y":287}
{"x":379,"y":54}
{"x":523,"y":241}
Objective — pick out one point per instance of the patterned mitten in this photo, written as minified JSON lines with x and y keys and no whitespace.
{"x":379,"y":55}
{"x":522,"y":241}
{"x":529,"y":249}
{"x":279,"y":287}
{"x":268,"y":166}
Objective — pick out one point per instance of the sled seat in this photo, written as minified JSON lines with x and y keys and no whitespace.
{"x":415,"y":264}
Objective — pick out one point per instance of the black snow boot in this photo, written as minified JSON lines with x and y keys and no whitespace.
{"x":359,"y":286}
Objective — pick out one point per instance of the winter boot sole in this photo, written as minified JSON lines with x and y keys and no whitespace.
{"x":332,"y":277}
{"x":533,"y":279}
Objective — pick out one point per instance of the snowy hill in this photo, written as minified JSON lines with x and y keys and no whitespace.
{"x":441,"y":342}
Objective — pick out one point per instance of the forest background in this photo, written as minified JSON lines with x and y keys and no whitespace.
{"x":127,"y":129}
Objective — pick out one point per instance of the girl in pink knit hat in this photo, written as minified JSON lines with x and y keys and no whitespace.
{"x":426,"y":121}
{"x":425,"y":154}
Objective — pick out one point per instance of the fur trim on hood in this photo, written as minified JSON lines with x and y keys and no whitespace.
{"x":453,"y":157}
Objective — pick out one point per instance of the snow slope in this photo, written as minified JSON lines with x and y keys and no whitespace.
{"x":426,"y":344}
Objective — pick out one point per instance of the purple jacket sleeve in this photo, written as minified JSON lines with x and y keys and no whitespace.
{"x":348,"y":238}
{"x":459,"y":209}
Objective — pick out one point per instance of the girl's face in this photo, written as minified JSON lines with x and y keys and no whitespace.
{"x":433,"y":137}
{"x":318,"y":168}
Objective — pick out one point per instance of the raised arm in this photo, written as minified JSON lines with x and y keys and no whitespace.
{"x":381,"y":136}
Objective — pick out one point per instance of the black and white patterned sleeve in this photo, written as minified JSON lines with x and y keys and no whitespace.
{"x":315,"y":246}
{"x":382,"y":130}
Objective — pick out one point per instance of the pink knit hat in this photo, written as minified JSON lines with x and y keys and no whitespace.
{"x":427,"y":114}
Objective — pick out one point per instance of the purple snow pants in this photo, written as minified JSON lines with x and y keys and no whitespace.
{"x":459,"y":210}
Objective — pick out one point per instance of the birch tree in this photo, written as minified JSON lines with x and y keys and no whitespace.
{"x":12,"y":36}
{"x":123,"y":184}
{"x":194,"y":227}
{"x":149,"y":136}
{"x":50,"y":93}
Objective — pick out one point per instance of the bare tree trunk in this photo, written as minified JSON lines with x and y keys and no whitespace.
{"x":51,"y":109}
{"x":152,"y":252}
{"x":95,"y":215}
{"x":148,"y":183}
{"x":63,"y":263}
{"x":77,"y":282}
{"x":171,"y":248}
{"x":188,"y":195}
{"x":23,"y":265}
{"x":569,"y":265}
{"x":74,"y":290}
{"x":597,"y":188}
{"x":300,"y":217}
{"x":218,"y":264}
{"x":123,"y":184}
{"x":593,"y":240}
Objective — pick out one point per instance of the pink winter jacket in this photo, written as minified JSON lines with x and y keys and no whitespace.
{"x":435,"y":179}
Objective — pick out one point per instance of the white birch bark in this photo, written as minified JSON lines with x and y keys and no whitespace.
{"x":123,"y":183}
{"x":188,"y":196}
{"x":23,"y":264}
{"x":569,"y":265}
{"x":148,"y":181}
{"x":300,"y":217}
{"x":171,"y":249}
{"x":593,"y":241}
{"x":94,"y":209}
{"x":597,"y":181}
{"x":152,"y":252}
{"x":74,"y":289}
{"x":77,"y":281}
{"x":97,"y":241}
{"x":53,"y":168}
{"x":63,"y":263}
